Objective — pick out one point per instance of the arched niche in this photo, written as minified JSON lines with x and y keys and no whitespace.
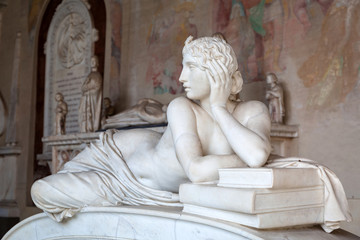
{"x":98,"y":12}
{"x":69,"y":47}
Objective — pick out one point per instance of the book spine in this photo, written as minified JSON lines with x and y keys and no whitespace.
{"x":295,"y":178}
{"x":217,"y":197}
{"x":274,"y":178}
{"x":287,"y":199}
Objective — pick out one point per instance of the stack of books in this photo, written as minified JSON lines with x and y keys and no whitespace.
{"x":259,"y":197}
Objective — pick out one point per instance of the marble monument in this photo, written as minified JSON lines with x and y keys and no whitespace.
{"x":68,"y":48}
{"x":207,"y":131}
{"x":147,"y":168}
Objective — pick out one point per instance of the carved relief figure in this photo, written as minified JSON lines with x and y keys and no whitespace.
{"x":146,"y":111}
{"x":72,"y":40}
{"x":61,"y":111}
{"x":206,"y":131}
{"x":275,"y":96}
{"x":90,"y":103}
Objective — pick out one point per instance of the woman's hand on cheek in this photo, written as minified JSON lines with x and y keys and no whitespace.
{"x":220,"y":83}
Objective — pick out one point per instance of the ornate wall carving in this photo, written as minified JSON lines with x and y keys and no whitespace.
{"x":69,"y":47}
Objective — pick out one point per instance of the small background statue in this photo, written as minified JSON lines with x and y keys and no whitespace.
{"x":108,"y":110}
{"x":275,"y":96}
{"x":146,"y":111}
{"x":90,"y":103}
{"x":61,"y":111}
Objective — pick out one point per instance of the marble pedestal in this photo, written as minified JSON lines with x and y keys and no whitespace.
{"x":284,"y":139}
{"x":152,"y":223}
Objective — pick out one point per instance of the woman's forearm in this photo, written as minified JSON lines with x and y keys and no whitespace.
{"x":204,"y":169}
{"x":252,"y":148}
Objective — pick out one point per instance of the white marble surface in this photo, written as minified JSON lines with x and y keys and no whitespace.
{"x":152,"y":223}
{"x":252,"y":201}
{"x":146,"y":111}
{"x":268,"y":220}
{"x":285,"y":131}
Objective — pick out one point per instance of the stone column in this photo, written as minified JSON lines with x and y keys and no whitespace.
{"x":11,"y":123}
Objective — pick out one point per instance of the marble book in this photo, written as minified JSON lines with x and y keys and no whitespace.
{"x":275,"y":178}
{"x":251,"y":201}
{"x":288,"y":218}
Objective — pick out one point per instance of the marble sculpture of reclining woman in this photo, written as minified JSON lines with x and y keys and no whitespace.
{"x":206,"y":131}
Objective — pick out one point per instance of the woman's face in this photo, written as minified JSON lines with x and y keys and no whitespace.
{"x":194,"y":80}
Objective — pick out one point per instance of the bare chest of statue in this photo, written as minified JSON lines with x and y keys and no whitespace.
{"x":212,"y":139}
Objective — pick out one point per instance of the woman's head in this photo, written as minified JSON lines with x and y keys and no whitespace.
{"x":206,"y":49}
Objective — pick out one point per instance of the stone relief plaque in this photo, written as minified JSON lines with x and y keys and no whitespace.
{"x":69,"y":47}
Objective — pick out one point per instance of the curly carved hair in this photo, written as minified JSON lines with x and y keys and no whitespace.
{"x":206,"y":49}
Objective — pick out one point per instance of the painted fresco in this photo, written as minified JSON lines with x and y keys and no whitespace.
{"x":167,"y":33}
{"x":332,"y":71}
{"x":255,"y":30}
{"x":320,"y":36}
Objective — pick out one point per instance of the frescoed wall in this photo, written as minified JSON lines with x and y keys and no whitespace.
{"x":332,"y":70}
{"x":255,"y":30}
{"x":151,"y":51}
{"x":321,"y":37}
{"x":170,"y":27}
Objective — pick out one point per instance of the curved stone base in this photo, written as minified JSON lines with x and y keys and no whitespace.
{"x":148,"y":223}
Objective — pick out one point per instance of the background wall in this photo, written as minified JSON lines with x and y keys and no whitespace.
{"x":313,"y":47}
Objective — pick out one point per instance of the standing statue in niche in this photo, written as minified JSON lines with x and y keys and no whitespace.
{"x":90,"y":103}
{"x":146,"y":111}
{"x":61,"y":111}
{"x":206,"y":131}
{"x":275,"y":96}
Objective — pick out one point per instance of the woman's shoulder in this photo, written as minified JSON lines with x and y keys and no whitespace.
{"x":180,"y":102}
{"x":253,"y":104}
{"x":180,"y":108}
{"x":251,"y":109}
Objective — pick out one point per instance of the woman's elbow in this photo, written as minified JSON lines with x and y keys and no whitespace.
{"x":258,"y":159}
{"x":197,"y":173}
